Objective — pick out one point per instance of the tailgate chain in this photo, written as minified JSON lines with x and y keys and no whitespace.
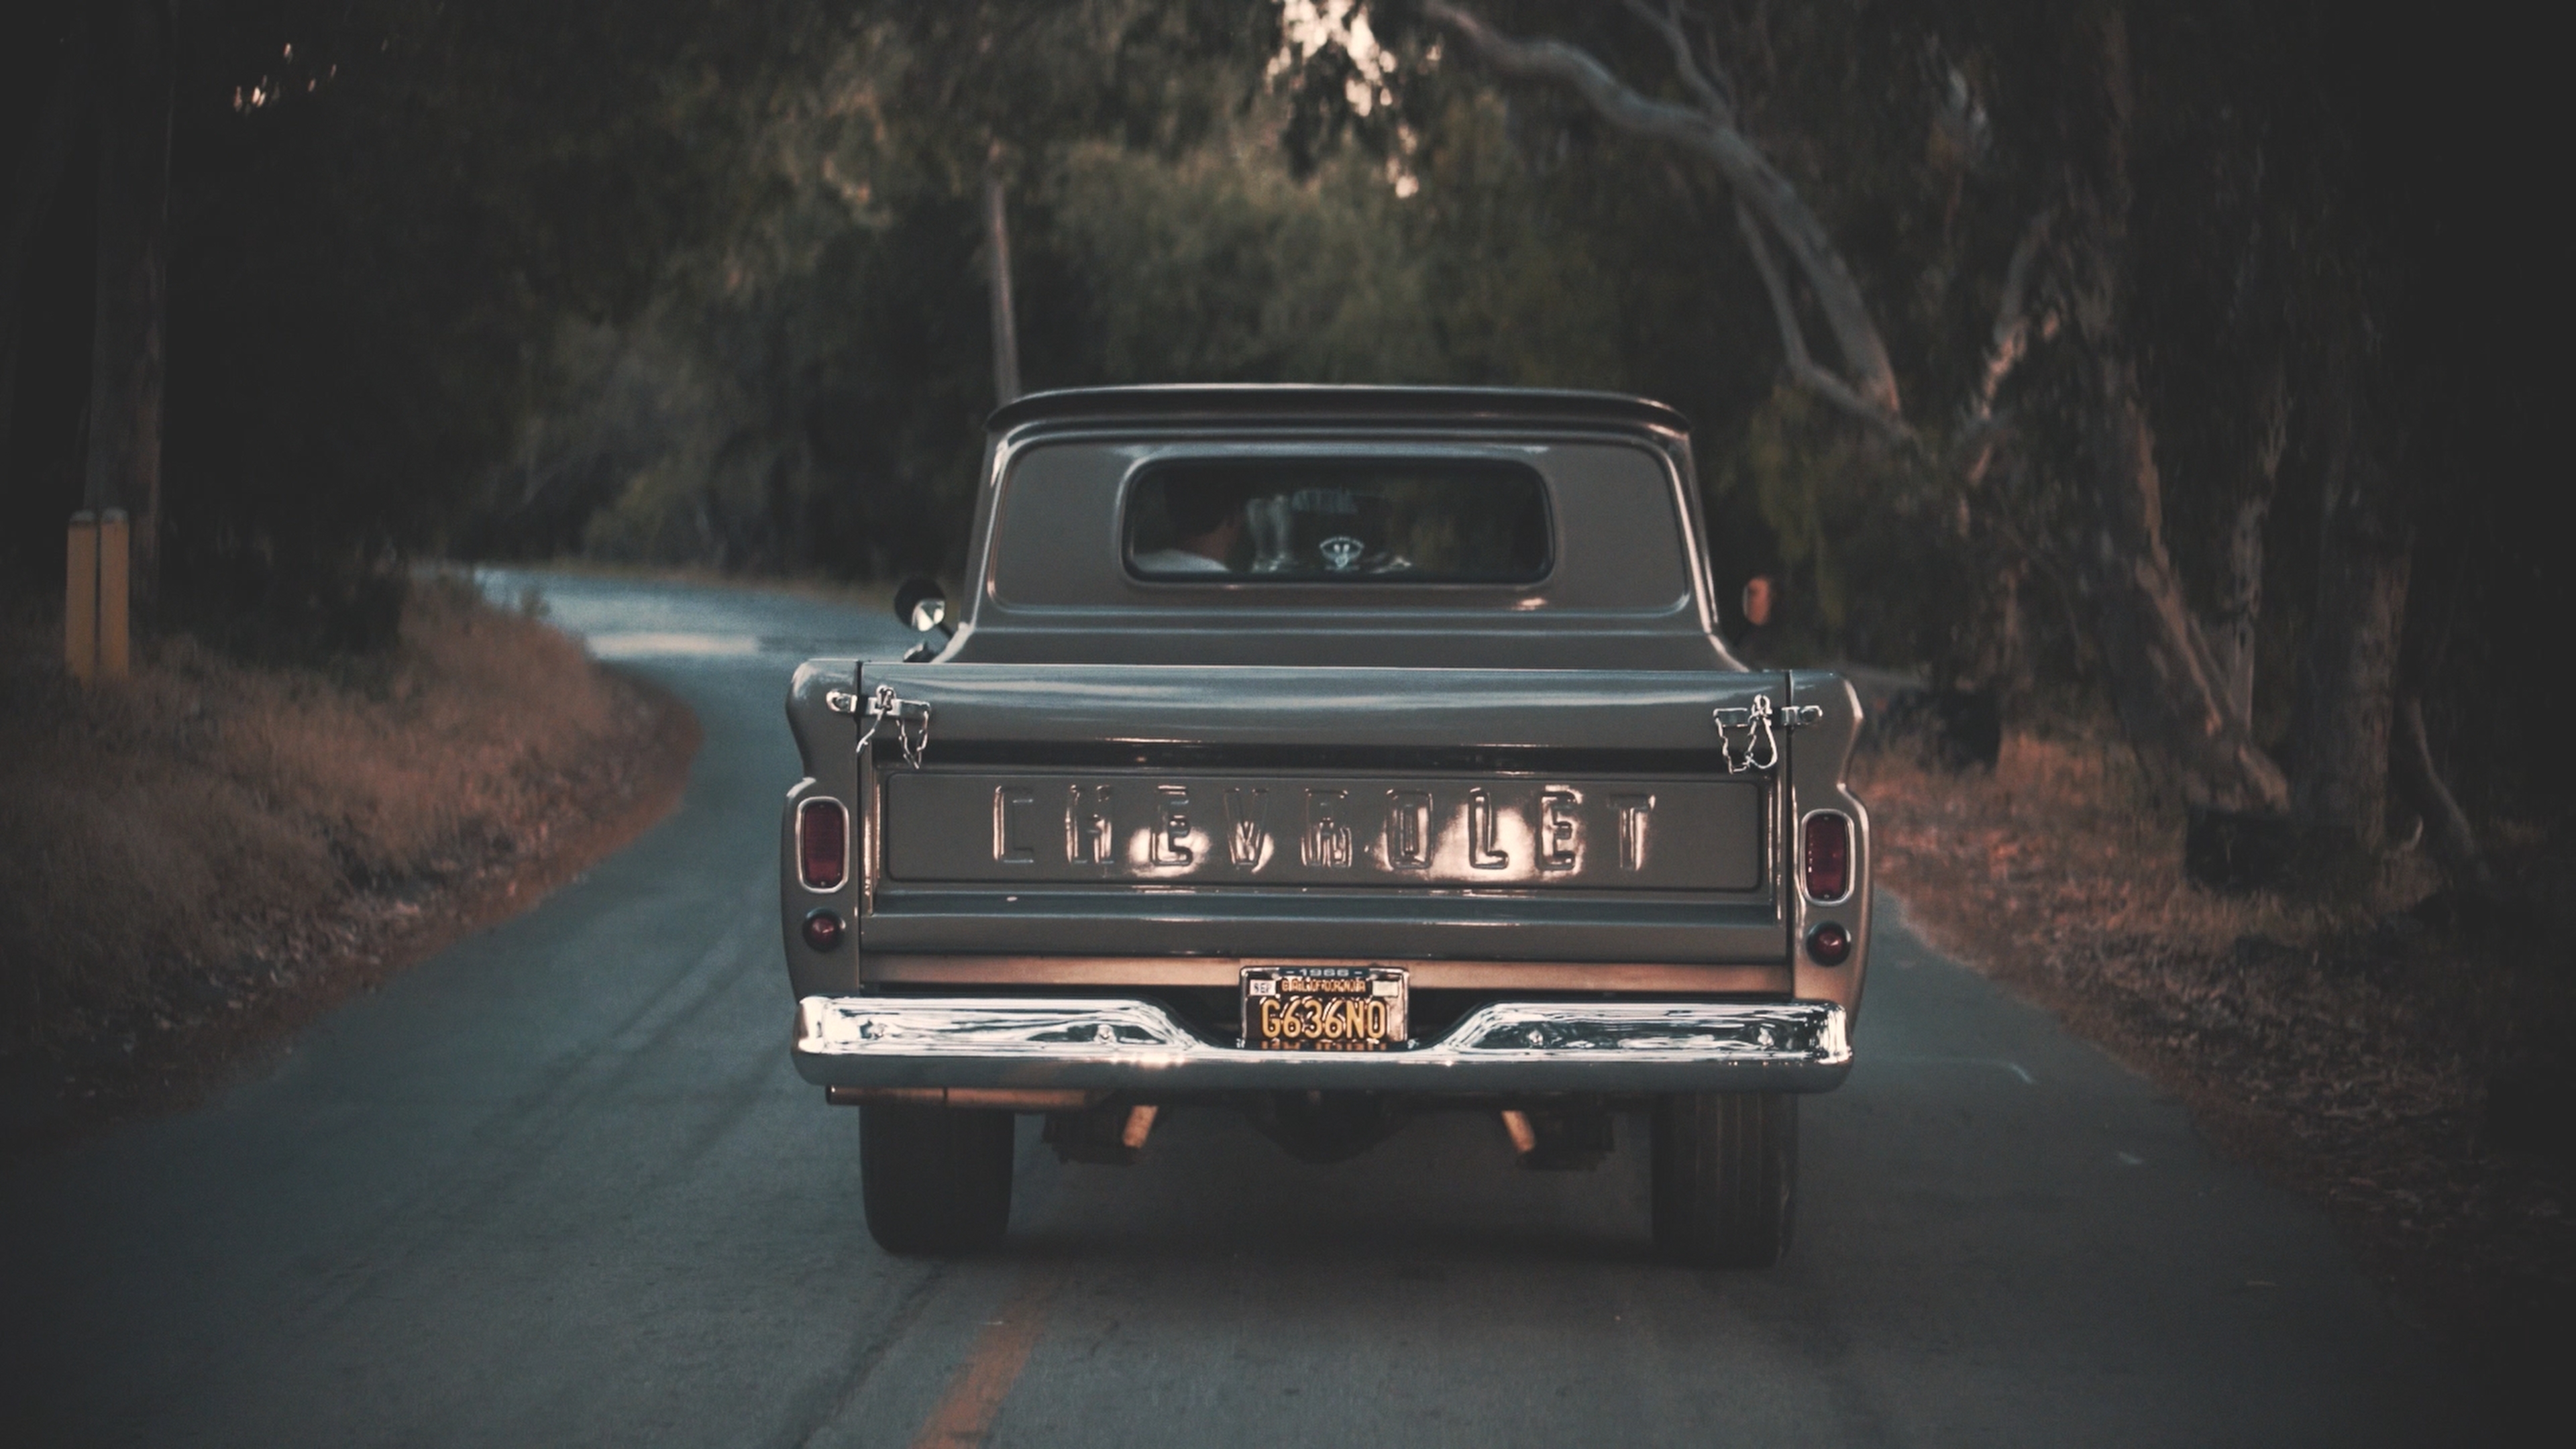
{"x":1759,"y":748}
{"x":911,"y":719}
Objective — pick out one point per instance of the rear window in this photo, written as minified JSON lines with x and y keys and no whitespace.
{"x":1432,"y":521}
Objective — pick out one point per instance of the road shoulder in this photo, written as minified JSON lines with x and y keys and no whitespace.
{"x":485,"y":829}
{"x":2346,"y":1048}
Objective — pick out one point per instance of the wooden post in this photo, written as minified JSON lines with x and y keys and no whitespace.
{"x":115,"y":590}
{"x":80,"y":598}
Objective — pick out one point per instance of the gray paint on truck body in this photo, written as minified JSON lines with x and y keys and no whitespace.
{"x":1595,"y":680}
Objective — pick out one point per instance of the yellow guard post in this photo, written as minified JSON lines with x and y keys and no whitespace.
{"x":95,"y":595}
{"x":80,"y":598}
{"x":113,"y":592}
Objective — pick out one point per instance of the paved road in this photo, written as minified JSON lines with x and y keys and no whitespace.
{"x":560,"y":1186}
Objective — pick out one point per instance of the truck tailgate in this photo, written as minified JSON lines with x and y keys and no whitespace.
{"x":1565,"y":815}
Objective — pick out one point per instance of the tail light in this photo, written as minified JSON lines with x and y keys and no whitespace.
{"x":822,"y":844}
{"x":1828,"y":857}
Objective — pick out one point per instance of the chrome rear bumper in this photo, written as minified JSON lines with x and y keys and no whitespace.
{"x":1137,"y":1046}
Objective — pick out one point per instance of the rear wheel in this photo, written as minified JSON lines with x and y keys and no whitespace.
{"x":1725,"y":1177}
{"x":934,"y":1179}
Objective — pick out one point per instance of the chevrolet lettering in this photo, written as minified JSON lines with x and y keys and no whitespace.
{"x":1334,"y":754}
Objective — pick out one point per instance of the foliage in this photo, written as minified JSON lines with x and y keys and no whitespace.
{"x":375,"y":207}
{"x":707,"y":284}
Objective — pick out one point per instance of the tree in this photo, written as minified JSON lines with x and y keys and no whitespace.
{"x":127,"y":353}
{"x":2167,"y":682}
{"x":40,"y":176}
{"x":899,"y":271}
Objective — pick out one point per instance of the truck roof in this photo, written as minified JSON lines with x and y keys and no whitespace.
{"x":1304,"y":402}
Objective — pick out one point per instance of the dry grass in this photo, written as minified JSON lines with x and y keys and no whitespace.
{"x":208,"y":835}
{"x":2348,"y":1046}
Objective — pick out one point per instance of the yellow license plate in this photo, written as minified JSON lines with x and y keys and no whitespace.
{"x":1324,"y":1008}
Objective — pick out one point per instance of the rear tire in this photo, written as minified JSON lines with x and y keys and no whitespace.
{"x":935,"y":1180}
{"x":1725,"y":1177}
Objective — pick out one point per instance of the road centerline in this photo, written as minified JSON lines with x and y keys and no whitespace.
{"x":965,"y":1413}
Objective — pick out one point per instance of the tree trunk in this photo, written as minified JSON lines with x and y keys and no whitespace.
{"x":2241,"y":612}
{"x":136,"y":73}
{"x":997,"y":243}
{"x":2348,"y":672}
{"x":2446,"y":826}
{"x":40,"y":174}
{"x":2165,"y":680}
{"x":2241,"y":609}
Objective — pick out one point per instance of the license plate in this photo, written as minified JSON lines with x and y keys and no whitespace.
{"x":1323,"y":1008}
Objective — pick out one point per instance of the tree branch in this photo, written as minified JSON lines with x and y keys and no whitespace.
{"x":2009,"y":343}
{"x":1668,"y":24}
{"x":2011,"y":339}
{"x":1870,"y":391}
{"x":1793,"y":337}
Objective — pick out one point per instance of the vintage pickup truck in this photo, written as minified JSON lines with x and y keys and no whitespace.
{"x":1335,"y":753}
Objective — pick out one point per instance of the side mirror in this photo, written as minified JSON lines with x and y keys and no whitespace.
{"x":921,"y":606}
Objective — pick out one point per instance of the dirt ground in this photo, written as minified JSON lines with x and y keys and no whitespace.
{"x":205,"y":856}
{"x":2408,"y":1069}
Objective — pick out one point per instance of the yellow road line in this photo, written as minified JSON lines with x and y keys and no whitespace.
{"x":965,"y":1412}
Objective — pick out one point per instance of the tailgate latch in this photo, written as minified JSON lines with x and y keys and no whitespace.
{"x":910,"y":717}
{"x":1746,"y":734}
